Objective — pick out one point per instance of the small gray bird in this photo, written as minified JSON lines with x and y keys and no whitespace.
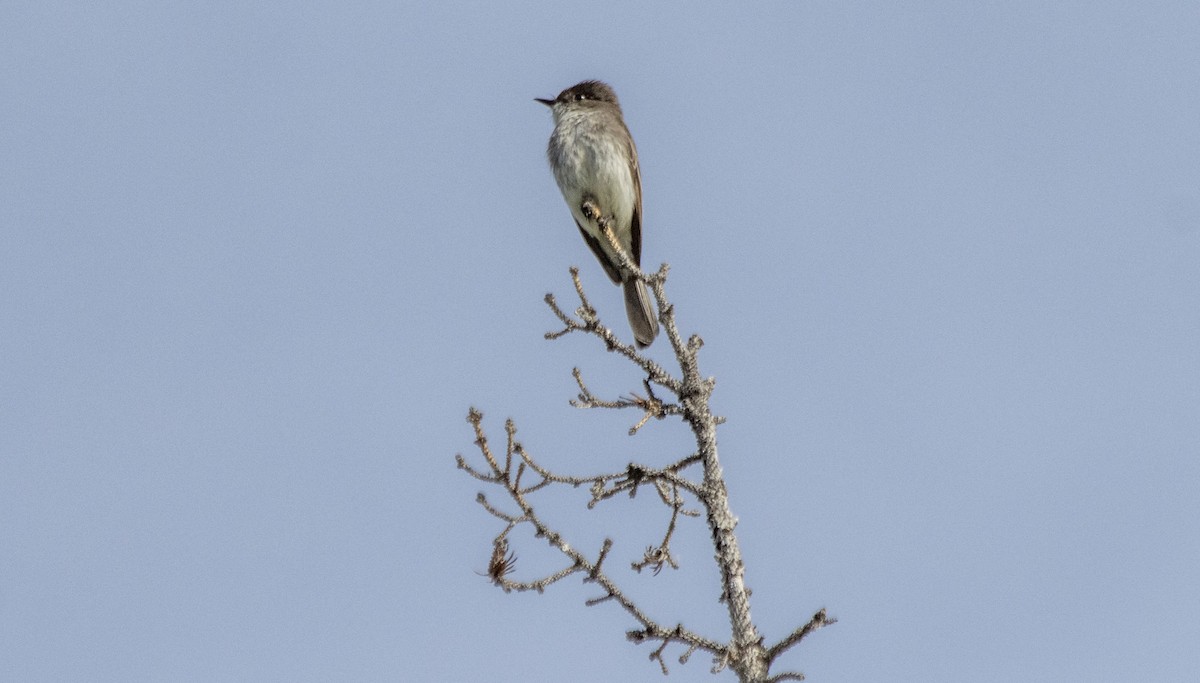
{"x":595,"y":163}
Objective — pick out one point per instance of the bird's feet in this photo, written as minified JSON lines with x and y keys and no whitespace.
{"x":589,"y":208}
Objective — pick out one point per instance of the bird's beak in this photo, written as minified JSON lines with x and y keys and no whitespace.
{"x":548,"y":103}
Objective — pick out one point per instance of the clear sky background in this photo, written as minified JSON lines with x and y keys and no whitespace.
{"x":257,"y":260}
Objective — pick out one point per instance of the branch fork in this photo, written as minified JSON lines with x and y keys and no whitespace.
{"x":744,"y":652}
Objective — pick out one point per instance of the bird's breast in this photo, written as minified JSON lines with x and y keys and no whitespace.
{"x":587,"y":161}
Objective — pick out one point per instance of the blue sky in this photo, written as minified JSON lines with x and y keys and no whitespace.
{"x":259,"y":259}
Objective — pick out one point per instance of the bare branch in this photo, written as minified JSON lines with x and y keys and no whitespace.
{"x":818,"y":620}
{"x":511,"y":519}
{"x":659,"y":556}
{"x":503,"y":561}
{"x":690,"y":392}
{"x":650,"y":405}
{"x":589,"y":323}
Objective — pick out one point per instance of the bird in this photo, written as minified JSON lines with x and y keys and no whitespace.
{"x":595,"y":164}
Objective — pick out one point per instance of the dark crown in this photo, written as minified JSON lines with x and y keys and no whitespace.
{"x":595,"y":91}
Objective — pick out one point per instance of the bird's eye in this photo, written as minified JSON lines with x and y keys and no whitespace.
{"x":580,"y":96}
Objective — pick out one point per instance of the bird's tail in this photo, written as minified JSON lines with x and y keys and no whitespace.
{"x":640,"y":312}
